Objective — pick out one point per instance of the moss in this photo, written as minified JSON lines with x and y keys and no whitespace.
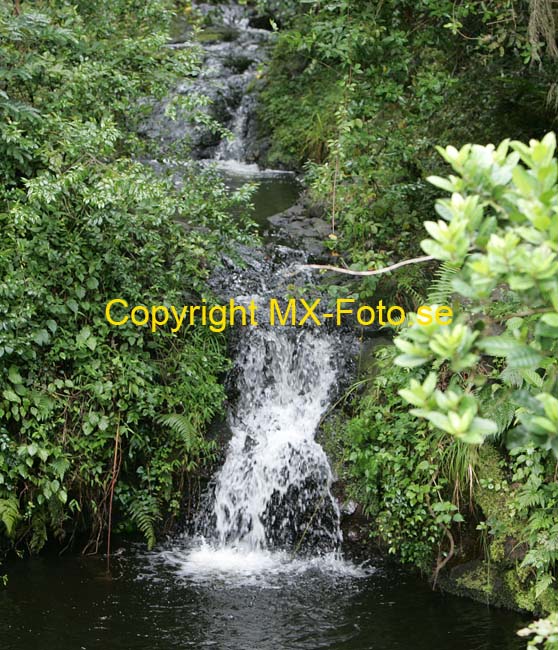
{"x":216,"y":34}
{"x":331,"y":439}
{"x":522,"y":595}
{"x":368,"y":364}
{"x":489,"y":583}
{"x":478,"y":579}
{"x":549,"y":601}
{"x":497,"y":550}
{"x":492,"y":497}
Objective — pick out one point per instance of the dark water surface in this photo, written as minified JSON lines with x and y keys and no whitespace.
{"x":70,"y":604}
{"x":275,"y":193}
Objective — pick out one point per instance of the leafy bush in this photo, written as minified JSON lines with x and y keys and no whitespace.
{"x":489,"y":377}
{"x":362,"y":93}
{"x":499,"y":230}
{"x":81,"y":403}
{"x":408,"y":475}
{"x":544,"y":633}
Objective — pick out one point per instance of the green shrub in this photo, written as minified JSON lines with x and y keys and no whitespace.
{"x":82,"y":430}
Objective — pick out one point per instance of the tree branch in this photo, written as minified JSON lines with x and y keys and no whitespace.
{"x":387,"y":269}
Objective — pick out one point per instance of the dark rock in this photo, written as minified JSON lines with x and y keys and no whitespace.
{"x":260,"y":22}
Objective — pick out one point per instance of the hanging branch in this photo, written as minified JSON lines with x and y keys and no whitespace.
{"x":116,"y":463}
{"x":387,"y":269}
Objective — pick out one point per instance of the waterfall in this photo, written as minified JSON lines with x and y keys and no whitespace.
{"x":269,"y":508}
{"x":235,"y":148}
{"x":274,"y":487}
{"x":270,"y":511}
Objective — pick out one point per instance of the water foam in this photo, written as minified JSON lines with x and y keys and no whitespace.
{"x":236,"y":567}
{"x":272,"y":512}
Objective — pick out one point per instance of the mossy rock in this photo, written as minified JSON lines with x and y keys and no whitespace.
{"x":490,"y":584}
{"x":477,"y":578}
{"x":493,"y":495}
{"x":524,"y":596}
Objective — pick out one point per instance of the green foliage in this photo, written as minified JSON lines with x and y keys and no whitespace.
{"x":360,"y":93}
{"x":544,"y":633}
{"x":363,"y":91}
{"x":499,"y":230}
{"x":408,"y":475}
{"x":66,"y":87}
{"x":144,"y":511}
{"x":536,"y":501}
{"x":9,"y":514}
{"x":441,"y":288}
{"x":498,"y":358}
{"x":82,"y":223}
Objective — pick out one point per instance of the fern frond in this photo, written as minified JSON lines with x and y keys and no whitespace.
{"x":512,"y":376}
{"x":39,"y":531}
{"x":182,"y":426}
{"x":441,"y":288}
{"x":499,"y":408}
{"x":408,"y":288}
{"x":9,"y":514}
{"x":145,"y":513}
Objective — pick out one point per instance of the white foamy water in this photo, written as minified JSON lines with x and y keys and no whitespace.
{"x":234,"y":149}
{"x":272,"y":512}
{"x":276,"y":479}
{"x":247,"y":171}
{"x":270,"y":509}
{"x":237,"y":567}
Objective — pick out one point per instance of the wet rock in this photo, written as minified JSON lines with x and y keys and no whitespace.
{"x":232,"y":54}
{"x":309,"y":232}
{"x":488,"y":583}
{"x":349,"y":508}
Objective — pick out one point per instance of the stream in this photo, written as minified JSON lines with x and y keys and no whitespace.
{"x":263,"y":565}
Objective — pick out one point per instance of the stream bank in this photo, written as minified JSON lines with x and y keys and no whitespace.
{"x":362,"y":95}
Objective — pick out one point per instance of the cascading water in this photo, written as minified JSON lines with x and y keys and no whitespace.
{"x":271,"y":501}
{"x":274,"y":488}
{"x":270,"y":510}
{"x":234,"y":148}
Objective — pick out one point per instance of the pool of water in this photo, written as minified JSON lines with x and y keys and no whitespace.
{"x":182,"y":597}
{"x":275,"y":193}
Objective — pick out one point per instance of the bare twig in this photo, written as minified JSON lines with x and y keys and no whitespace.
{"x":386,"y":269}
{"x":523,"y":314}
{"x":440,"y":562}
